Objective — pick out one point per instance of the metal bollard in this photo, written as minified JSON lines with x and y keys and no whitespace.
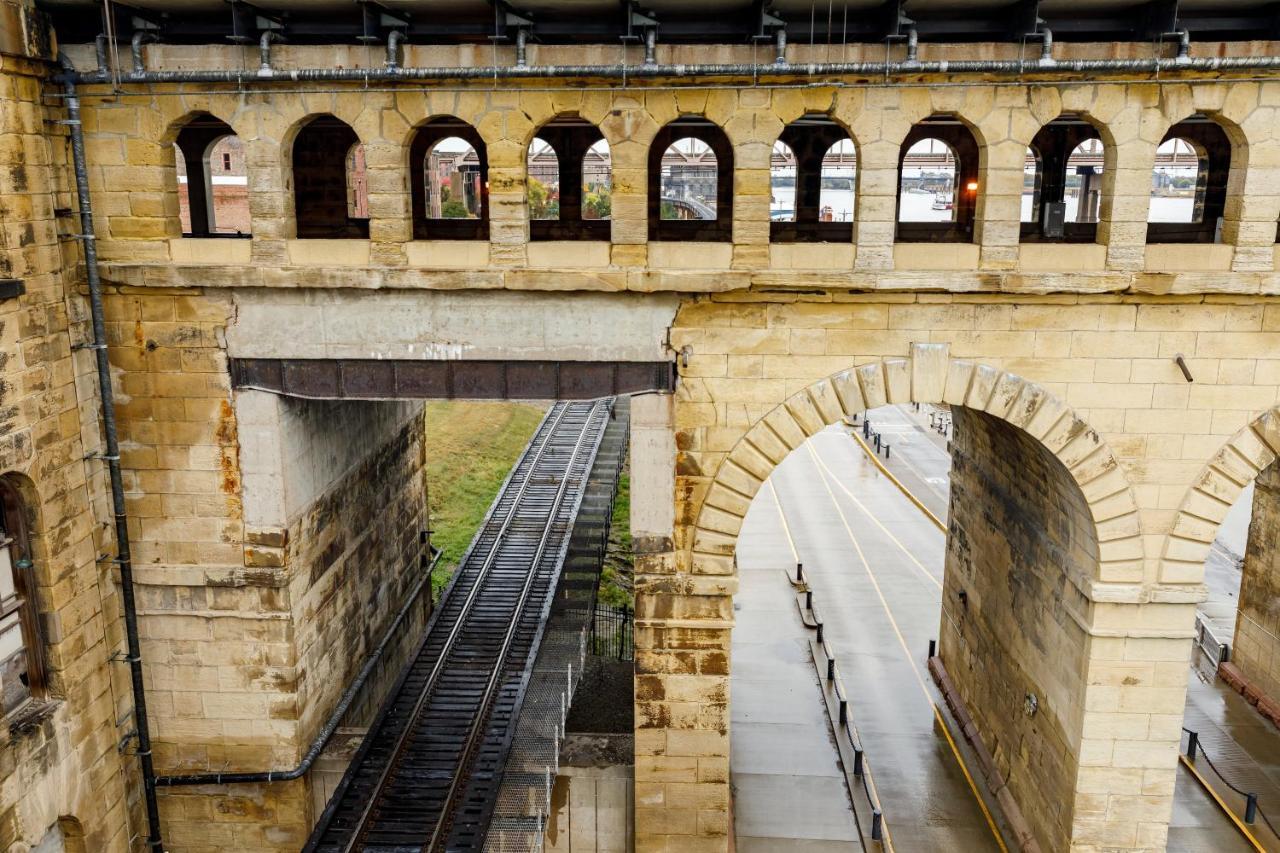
{"x":857,"y":761}
{"x":808,"y":599}
{"x":819,"y":633}
{"x":866,"y":428}
{"x":799,"y":572}
{"x":1251,"y":808}
{"x":844,"y":712}
{"x":877,"y":441}
{"x":886,"y":451}
{"x":933,"y":648}
{"x":877,"y":825}
{"x":1193,"y":740}
{"x":831,"y":669}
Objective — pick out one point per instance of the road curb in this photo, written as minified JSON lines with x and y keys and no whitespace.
{"x":893,"y":479}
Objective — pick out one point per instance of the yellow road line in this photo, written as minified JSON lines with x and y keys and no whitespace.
{"x":884,"y":822}
{"x":786,"y":528}
{"x":902,"y":457}
{"x":933,"y":580}
{"x":911,"y":497}
{"x":903,"y":643}
{"x":1204,"y":783}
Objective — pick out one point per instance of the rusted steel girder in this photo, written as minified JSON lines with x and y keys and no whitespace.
{"x":370,"y":379}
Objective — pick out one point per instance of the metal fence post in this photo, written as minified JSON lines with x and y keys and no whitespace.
{"x":1251,"y":808}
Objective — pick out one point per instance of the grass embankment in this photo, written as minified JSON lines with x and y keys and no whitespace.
{"x":470,"y":449}
{"x":619,"y":562}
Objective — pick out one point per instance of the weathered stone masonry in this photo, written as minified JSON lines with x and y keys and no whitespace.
{"x":61,"y":777}
{"x":1072,"y":346}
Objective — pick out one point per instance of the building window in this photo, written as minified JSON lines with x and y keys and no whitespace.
{"x":1062,"y":183}
{"x":211,"y":205}
{"x":813,"y":179}
{"x":570,"y":189}
{"x":330,"y":191}
{"x":1189,"y":183}
{"x":691,"y":182}
{"x":449,"y":177}
{"x":937,"y":182}
{"x":21,"y":671}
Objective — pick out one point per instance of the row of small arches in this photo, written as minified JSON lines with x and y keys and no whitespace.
{"x":813,"y":182}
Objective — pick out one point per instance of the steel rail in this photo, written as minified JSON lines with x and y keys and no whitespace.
{"x":455,"y":631}
{"x":477,"y":728}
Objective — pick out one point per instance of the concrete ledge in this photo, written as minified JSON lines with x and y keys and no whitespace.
{"x":329,"y":253}
{"x":569,"y":254}
{"x":811,"y":256}
{"x":1062,"y":257}
{"x":1189,"y":257}
{"x":448,"y":254}
{"x":690,"y":256}
{"x":936,"y":256}
{"x":210,"y":250}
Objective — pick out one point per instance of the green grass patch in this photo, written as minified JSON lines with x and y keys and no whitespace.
{"x":471,"y":447}
{"x":619,"y":563}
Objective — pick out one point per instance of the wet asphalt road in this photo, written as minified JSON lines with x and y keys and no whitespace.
{"x":875,"y":563}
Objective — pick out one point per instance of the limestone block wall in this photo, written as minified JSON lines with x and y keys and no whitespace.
{"x":62,"y":780}
{"x":1256,"y":651}
{"x":334,"y":502}
{"x":1013,"y":624}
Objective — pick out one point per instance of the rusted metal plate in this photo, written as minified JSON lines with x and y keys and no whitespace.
{"x":359,"y":379}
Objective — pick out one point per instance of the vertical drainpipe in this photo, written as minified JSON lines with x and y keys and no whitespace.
{"x":112,"y":456}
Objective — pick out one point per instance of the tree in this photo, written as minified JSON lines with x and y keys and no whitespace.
{"x":598,"y":203}
{"x":539,"y":201}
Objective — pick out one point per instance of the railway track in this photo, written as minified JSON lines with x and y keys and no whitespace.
{"x":426,"y":774}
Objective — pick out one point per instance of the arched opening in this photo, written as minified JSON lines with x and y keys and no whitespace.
{"x":213,"y":185}
{"x":1067,"y":203}
{"x":691,"y":182}
{"x":1189,"y":183}
{"x":1225,"y":534}
{"x":782,"y":183}
{"x":818,"y":158}
{"x":449,"y":182}
{"x":1022,"y":656}
{"x":330,"y":193}
{"x":569,"y":184}
{"x":21,"y":647}
{"x":1032,"y":174}
{"x":544,"y":181}
{"x":597,"y":182}
{"x":937,"y":182}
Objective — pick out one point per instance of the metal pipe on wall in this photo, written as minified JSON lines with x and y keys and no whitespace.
{"x":124,"y":558}
{"x":766,"y":71}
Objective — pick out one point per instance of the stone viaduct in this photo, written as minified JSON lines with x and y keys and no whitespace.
{"x":1112,"y":398}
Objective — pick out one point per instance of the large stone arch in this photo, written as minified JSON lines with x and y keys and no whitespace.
{"x":927,"y":375}
{"x":1110,"y":701}
{"x":1204,"y":506}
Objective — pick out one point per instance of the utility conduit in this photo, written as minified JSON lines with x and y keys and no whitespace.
{"x":812,"y":72}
